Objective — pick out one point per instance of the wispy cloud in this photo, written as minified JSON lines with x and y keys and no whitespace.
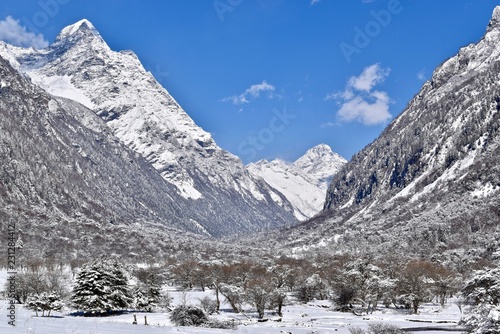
{"x":12,"y":32}
{"x":327,"y":125}
{"x":360,"y":102}
{"x":371,"y":76}
{"x":313,"y":2}
{"x":421,"y":75}
{"x":251,"y":93}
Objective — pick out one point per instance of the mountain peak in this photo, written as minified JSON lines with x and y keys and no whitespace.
{"x":321,"y":152}
{"x":320,"y":149}
{"x":303,"y":182}
{"x":495,"y":19}
{"x":78,"y":30}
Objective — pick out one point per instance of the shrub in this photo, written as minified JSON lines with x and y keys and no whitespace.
{"x":188,"y":316}
{"x":208,"y":305}
{"x":45,"y":302}
{"x":221,"y":324}
{"x":377,"y":328}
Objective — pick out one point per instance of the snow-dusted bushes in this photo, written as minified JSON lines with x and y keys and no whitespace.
{"x":194,"y":316}
{"x":37,"y":280}
{"x":188,"y":316}
{"x":45,"y":302}
{"x":378,"y":328}
{"x":208,"y":305}
{"x":351,"y":282}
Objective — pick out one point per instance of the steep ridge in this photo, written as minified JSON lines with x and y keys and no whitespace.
{"x":303,"y":182}
{"x":68,"y":184}
{"x":430,"y":183}
{"x":224,"y":198}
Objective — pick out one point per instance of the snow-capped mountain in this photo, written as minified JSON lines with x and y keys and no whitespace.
{"x":224,"y":197}
{"x":320,"y":163}
{"x":68,"y":185}
{"x":303,"y":182}
{"x":430,"y":183}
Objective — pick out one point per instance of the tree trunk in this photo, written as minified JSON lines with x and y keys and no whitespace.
{"x":280,"y":308}
{"x":217,"y":300}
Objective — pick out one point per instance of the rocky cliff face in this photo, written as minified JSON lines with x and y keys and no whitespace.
{"x":221,"y":196}
{"x":69,"y":185}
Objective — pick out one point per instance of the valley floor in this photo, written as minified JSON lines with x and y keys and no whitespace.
{"x":314,"y":317}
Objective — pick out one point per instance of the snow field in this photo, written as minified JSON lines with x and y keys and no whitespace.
{"x":316,"y":317}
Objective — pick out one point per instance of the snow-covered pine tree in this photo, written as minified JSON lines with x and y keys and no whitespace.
{"x":482,"y":295}
{"x":149,"y":298}
{"x":101,"y":286}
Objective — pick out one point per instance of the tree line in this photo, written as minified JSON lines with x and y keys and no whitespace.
{"x":357,"y":284}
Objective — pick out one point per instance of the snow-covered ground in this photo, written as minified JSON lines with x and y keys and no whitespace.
{"x":314,"y":317}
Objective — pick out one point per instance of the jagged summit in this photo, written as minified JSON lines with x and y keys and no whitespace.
{"x":82,"y":24}
{"x":495,"y":19}
{"x":318,"y":152}
{"x":82,"y":29}
{"x":470,"y":59}
{"x":315,"y":159}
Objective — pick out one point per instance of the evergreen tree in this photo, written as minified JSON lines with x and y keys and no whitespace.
{"x":482,"y":294}
{"x":101,"y":286}
{"x":148,"y":299}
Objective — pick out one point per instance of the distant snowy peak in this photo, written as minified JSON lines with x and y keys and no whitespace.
{"x":303,"y":182}
{"x":320,"y":162}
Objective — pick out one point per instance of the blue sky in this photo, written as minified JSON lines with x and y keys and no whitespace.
{"x":272,"y":78}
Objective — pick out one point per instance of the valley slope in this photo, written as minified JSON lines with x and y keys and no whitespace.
{"x":220,"y":196}
{"x":430,"y":183}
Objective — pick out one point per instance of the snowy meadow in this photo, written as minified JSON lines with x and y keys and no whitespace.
{"x":317,"y":316}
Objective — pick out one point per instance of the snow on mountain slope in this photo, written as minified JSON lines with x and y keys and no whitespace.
{"x":79,"y":65}
{"x":304,"y":182}
{"x":71,"y":187}
{"x":430,"y":183}
{"x":320,"y":163}
{"x":435,"y":139}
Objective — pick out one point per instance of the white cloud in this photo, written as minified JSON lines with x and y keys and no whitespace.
{"x":313,"y":2}
{"x":359,"y":102}
{"x":371,"y":76}
{"x":421,"y":75}
{"x":370,"y":110}
{"x":12,"y":32}
{"x":253,"y":92}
